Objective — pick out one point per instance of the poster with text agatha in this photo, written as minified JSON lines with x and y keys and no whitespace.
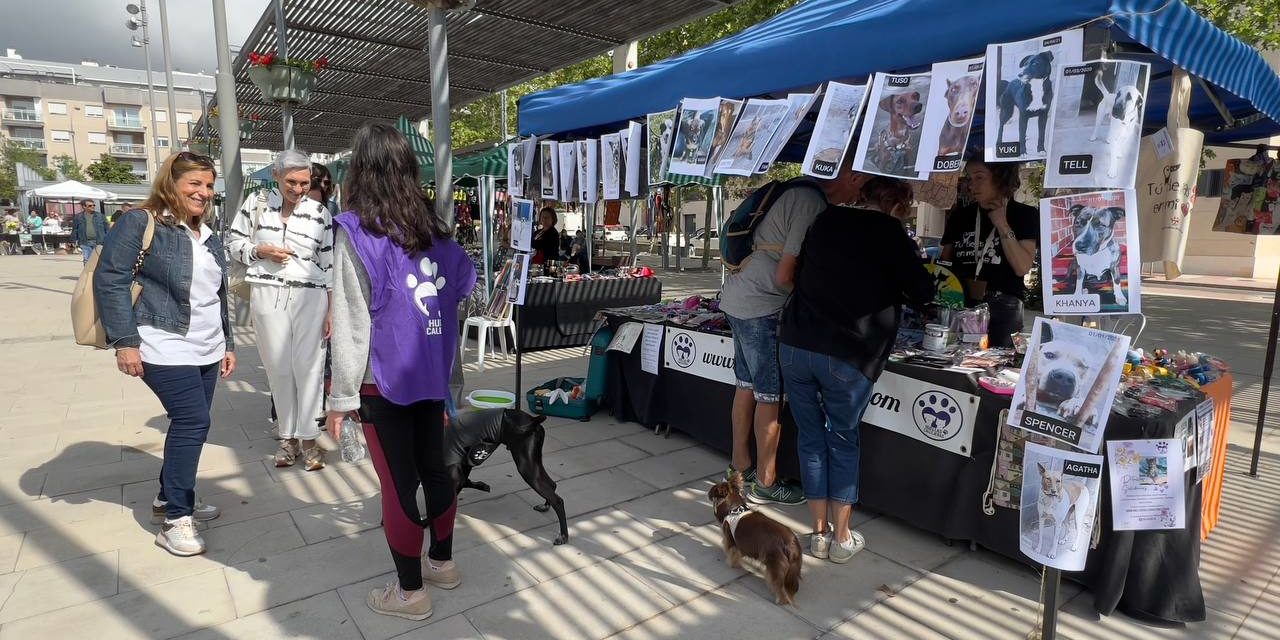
{"x":798,"y":106}
{"x":1020,"y":93}
{"x":1097,"y":125}
{"x":890,"y":140}
{"x":588,"y":170}
{"x":549,"y":165}
{"x":1148,"y":484}
{"x":1251,"y":201}
{"x":515,"y":160}
{"x":841,"y":105}
{"x":726,"y":117}
{"x":1089,"y":259}
{"x":633,"y":183}
{"x":1059,"y":506}
{"x":611,"y":165}
{"x":1068,"y":381}
{"x":756,"y":124}
{"x":661,"y":128}
{"x":522,"y":224}
{"x":568,"y":172}
{"x":953,"y":101}
{"x":691,"y":148}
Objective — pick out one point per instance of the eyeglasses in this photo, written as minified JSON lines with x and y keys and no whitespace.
{"x":191,"y":156}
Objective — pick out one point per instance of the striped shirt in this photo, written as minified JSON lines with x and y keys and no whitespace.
{"x":308,"y":233}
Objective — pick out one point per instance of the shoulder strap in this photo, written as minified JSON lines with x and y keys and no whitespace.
{"x":147,"y":235}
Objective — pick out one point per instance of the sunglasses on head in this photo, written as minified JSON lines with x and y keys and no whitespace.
{"x":191,"y":156}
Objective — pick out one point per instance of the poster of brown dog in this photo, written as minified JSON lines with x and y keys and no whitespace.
{"x":890,"y":138}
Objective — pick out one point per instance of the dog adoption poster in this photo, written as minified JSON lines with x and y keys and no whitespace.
{"x":568,"y":171}
{"x":611,"y":165}
{"x":588,"y":170}
{"x":515,"y":160}
{"x":830,"y":139}
{"x":549,"y":162}
{"x":726,"y":117}
{"x":890,"y":140}
{"x":756,"y":124}
{"x":1020,"y":93}
{"x":1148,"y":484}
{"x":1091,"y":254}
{"x":522,"y":224}
{"x":1069,"y":379}
{"x":633,"y":143}
{"x":661,"y":129}
{"x":691,"y":148}
{"x":949,"y":115}
{"x":1059,"y":503}
{"x":798,"y":105}
{"x":1097,"y":125}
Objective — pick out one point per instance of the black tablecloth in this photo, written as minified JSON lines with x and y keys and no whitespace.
{"x":1147,"y":574}
{"x":561,"y":314}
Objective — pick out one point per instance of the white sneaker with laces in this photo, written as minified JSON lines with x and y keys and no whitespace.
{"x":820,"y":544}
{"x":179,"y":537}
{"x":841,"y":552}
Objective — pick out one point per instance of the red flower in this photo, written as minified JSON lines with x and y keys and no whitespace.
{"x":322,"y":62}
{"x":255,"y":58}
{"x":267,"y":60}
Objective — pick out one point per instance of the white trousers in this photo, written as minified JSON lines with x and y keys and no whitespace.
{"x":289,"y":323}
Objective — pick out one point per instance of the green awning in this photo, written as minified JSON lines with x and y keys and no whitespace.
{"x":485,"y":163}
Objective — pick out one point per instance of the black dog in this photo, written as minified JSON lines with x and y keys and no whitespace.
{"x":1031,"y":93}
{"x":475,"y":435}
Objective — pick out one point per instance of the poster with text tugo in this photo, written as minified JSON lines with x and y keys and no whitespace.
{"x":1020,"y":93}
{"x":1090,"y":257}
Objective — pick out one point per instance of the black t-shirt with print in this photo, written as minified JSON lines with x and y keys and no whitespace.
{"x":1024,"y":220}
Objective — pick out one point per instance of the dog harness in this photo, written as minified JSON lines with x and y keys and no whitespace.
{"x":733,"y":518}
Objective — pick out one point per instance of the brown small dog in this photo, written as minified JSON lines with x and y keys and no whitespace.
{"x":755,"y":535}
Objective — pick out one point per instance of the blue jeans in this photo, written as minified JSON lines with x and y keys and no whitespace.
{"x":828,"y":397}
{"x":187,"y":395}
{"x":755,"y":356}
{"x":86,"y":250}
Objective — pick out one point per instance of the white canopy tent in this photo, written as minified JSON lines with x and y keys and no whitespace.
{"x":71,"y":190}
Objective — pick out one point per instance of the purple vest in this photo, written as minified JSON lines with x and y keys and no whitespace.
{"x":414,"y":307}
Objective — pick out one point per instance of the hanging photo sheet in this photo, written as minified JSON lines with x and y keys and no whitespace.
{"x":890,"y":140}
{"x":1097,"y":125}
{"x":726,"y":117}
{"x":1148,"y":484}
{"x":691,"y":148}
{"x":1021,"y":92}
{"x":610,"y":165}
{"x":568,"y":171}
{"x":1068,"y":381}
{"x":549,"y":169}
{"x":1091,"y":259}
{"x":756,"y":124}
{"x":529,"y":150}
{"x":1251,"y":199}
{"x":1006,"y":484}
{"x":953,"y":102}
{"x":522,"y":224}
{"x":1059,"y":503}
{"x":830,"y":140}
{"x":588,"y":167}
{"x":798,"y":105}
{"x":515,"y":160}
{"x":633,"y":183}
{"x":519,"y":278}
{"x":661,"y":129}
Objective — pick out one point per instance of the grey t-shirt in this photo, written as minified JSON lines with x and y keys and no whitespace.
{"x":753,"y":291}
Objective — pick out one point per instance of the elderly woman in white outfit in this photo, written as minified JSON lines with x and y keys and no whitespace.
{"x":286,"y":239}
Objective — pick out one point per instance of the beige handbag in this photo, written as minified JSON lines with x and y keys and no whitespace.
{"x":85,"y":321}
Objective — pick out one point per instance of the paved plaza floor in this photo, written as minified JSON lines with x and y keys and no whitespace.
{"x":294,"y":553}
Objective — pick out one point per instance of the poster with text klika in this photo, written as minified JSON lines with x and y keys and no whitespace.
{"x":691,"y":148}
{"x":661,"y":129}
{"x":1090,"y":256}
{"x":953,"y":102}
{"x":841,"y":106}
{"x":1097,"y":125}
{"x":1069,"y":378}
{"x":1020,"y":93}
{"x":1059,"y":506}
{"x":890,"y":139}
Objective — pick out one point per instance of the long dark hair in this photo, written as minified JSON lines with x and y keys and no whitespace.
{"x":382,"y":188}
{"x":321,"y":180}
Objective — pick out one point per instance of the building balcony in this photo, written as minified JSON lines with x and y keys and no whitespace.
{"x":22,"y":117}
{"x":34,"y":144}
{"x":125,"y":124}
{"x":127,"y":149}
{"x":141,"y":175}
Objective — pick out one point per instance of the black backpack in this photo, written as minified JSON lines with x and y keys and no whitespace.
{"x":737,"y":238}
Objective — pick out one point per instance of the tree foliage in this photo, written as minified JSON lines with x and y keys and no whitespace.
{"x":68,"y":167}
{"x":109,"y":169}
{"x":12,"y":154}
{"x":1256,"y":22}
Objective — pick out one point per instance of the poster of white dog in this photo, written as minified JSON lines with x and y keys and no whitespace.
{"x":953,"y":102}
{"x":587,"y":160}
{"x":1059,"y":504}
{"x":1021,"y":92}
{"x":1097,"y":125}
{"x":1090,"y":258}
{"x":841,"y":106}
{"x":1069,"y":379}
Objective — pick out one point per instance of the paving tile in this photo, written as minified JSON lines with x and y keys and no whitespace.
{"x":56,"y":586}
{"x":43,"y":513}
{"x":325,"y":521}
{"x":299,"y":573}
{"x":10,"y":550}
{"x":452,"y":628}
{"x":556,"y":609}
{"x":655,"y":444}
{"x":673,"y":510}
{"x":142,"y":563}
{"x":684,"y":566}
{"x":574,"y":434}
{"x":885,"y":621}
{"x":593,"y":538}
{"x":93,"y":536}
{"x":320,"y":617}
{"x":76,"y":479}
{"x":907,"y":545}
{"x":1078,"y":620}
{"x":1263,"y":620}
{"x":502,"y":478}
{"x":483,"y":522}
{"x":576,"y":461}
{"x":677,"y":468}
{"x":731,"y":612}
{"x":29,"y":445}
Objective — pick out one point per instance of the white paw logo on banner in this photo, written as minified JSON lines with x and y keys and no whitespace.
{"x":425,"y":288}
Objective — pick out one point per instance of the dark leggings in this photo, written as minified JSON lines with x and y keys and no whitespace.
{"x":406,"y":444}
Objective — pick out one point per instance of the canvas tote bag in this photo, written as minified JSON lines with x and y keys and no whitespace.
{"x":85,"y":322}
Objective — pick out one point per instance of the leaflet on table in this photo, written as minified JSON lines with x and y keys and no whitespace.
{"x":1206,"y":439}
{"x":625,"y":338}
{"x":1092,"y":264}
{"x":890,"y":140}
{"x":661,"y":129}
{"x":1020,"y":93}
{"x":1097,"y":125}
{"x":651,"y":348}
{"x":691,"y":149}
{"x":1059,"y":504}
{"x":549,"y":168}
{"x":756,"y":126}
{"x":798,"y":105}
{"x":522,"y":224}
{"x":519,"y":278}
{"x":634,"y":184}
{"x":568,"y":172}
{"x":1068,"y":382}
{"x":515,"y":178}
{"x":1148,"y":484}
{"x":830,"y":139}
{"x":610,"y":165}
{"x":588,"y":167}
{"x":949,"y":114}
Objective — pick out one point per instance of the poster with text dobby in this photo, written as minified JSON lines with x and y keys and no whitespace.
{"x":661,"y":128}
{"x":568,"y":171}
{"x":890,"y":140}
{"x":1068,"y":381}
{"x":1020,"y":93}
{"x":588,"y":170}
{"x":948,"y":116}
{"x":1097,"y":125}
{"x":549,"y":168}
{"x":1059,"y":504}
{"x":691,"y":149}
{"x":756,"y":124}
{"x":1090,"y":257}
{"x":798,"y":106}
{"x":841,"y":106}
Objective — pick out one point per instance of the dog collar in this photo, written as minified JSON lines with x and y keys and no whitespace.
{"x":739,"y":510}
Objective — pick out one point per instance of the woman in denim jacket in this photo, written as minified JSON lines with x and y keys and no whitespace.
{"x":177,"y":338}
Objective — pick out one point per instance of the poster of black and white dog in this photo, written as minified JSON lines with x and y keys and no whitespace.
{"x":1090,"y":256}
{"x":695,"y":129}
{"x":1021,"y":92}
{"x":953,"y":102}
{"x":890,"y":138}
{"x":515,"y":179}
{"x":1060,"y":491}
{"x":549,"y":168}
{"x":1097,"y":125}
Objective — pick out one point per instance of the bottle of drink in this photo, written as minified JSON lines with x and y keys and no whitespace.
{"x":353,"y":450}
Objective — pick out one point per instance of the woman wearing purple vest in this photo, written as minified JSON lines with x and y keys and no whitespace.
{"x":398,"y":279}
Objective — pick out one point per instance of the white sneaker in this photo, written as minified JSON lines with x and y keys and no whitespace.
{"x":820,"y":544}
{"x":202,"y":513}
{"x":179,"y":537}
{"x":841,"y":552}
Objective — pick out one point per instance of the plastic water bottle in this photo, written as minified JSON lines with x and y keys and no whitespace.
{"x":353,"y":450}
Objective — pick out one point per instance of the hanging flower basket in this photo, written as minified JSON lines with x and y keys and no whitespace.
{"x":202,"y":148}
{"x":283,"y":83}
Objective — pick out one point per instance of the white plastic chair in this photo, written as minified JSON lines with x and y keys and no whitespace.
{"x":483,"y":324}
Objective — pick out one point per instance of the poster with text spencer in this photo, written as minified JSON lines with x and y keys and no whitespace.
{"x":1020,"y":93}
{"x":1097,"y":125}
{"x":1090,"y":259}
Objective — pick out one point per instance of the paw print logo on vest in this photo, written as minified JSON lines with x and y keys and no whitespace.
{"x":428,"y":287}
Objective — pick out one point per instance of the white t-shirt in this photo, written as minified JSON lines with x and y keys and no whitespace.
{"x":205,"y":343}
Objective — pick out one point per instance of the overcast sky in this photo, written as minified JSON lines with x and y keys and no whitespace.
{"x":74,"y":30}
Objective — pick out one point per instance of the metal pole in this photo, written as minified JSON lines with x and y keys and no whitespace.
{"x":519,"y":339}
{"x":1266,"y":379}
{"x":591,"y":232}
{"x":168,"y":77}
{"x":1049,"y":583}
{"x":632,"y":258}
{"x":706,"y":227}
{"x":442,"y":137}
{"x":282,"y":50}
{"x":677,"y":218}
{"x":151,"y":89}
{"x":228,"y":121}
{"x":485,"y":203}
{"x":503,"y":95}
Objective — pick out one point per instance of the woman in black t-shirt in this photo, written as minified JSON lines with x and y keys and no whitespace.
{"x":546,"y":240}
{"x":991,"y":244}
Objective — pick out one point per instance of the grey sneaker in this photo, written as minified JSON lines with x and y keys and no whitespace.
{"x":391,"y":601}
{"x":748,"y":476}
{"x":203,"y":512}
{"x":179,"y":537}
{"x":841,"y":552}
{"x":446,"y":576}
{"x":820,"y":544}
{"x":780,"y":493}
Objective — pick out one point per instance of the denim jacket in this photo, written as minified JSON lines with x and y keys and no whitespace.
{"x":80,"y":235}
{"x":165,"y":278}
